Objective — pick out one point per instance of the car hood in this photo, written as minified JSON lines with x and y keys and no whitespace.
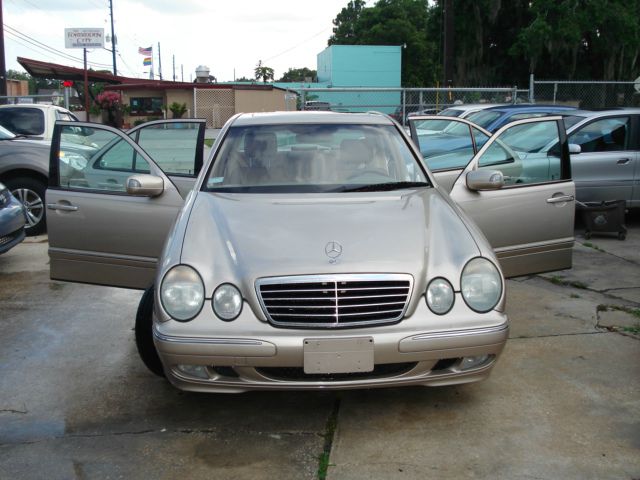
{"x":239,"y":238}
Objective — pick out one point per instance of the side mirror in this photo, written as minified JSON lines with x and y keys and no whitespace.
{"x":485,"y":180}
{"x":144,"y":185}
{"x":575,"y":148}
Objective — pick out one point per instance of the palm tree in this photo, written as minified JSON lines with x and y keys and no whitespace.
{"x":263,"y":72}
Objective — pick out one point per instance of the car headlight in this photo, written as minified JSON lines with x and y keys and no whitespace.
{"x":481,"y":285}
{"x":182,"y":293}
{"x":227,"y":302}
{"x":440,"y":296}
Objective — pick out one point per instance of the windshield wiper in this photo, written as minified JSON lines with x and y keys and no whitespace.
{"x":385,"y":187}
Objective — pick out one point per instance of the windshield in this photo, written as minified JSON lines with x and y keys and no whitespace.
{"x":483,"y":118}
{"x":451,"y":112}
{"x":314,"y":158}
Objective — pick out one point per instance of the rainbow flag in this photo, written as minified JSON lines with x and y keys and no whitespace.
{"x":147,"y":61}
{"x":145,"y":51}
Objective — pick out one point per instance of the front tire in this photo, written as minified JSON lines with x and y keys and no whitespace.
{"x":30,"y":192}
{"x":144,"y":335}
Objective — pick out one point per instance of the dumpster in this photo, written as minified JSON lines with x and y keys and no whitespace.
{"x":603,"y":217}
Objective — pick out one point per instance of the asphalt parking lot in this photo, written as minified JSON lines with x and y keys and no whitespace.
{"x":563,"y":401}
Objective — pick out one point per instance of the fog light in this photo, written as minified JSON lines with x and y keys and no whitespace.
{"x":474,"y":362}
{"x":197,"y":371}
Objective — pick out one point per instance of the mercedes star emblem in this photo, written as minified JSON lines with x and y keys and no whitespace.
{"x":333,"y":250}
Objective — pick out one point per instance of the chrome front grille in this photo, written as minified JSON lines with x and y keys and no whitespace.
{"x":334,"y":301}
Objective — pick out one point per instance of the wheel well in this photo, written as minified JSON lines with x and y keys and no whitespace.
{"x":24,"y":172}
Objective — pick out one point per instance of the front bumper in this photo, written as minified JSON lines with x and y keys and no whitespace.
{"x":273,"y":359}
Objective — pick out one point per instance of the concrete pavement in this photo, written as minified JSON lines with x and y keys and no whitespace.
{"x":562,"y":402}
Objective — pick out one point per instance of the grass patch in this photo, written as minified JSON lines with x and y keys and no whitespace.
{"x":595,"y":247}
{"x":209,"y":142}
{"x":635,"y":330}
{"x":556,"y":280}
{"x":330,"y":430}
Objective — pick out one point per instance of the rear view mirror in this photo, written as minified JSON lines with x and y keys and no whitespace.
{"x":575,"y":148}
{"x":485,"y":180}
{"x":144,"y":185}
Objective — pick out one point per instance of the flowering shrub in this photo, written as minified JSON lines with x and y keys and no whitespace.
{"x":109,"y":100}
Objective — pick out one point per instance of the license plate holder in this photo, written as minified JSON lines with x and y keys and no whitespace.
{"x":338,"y":355}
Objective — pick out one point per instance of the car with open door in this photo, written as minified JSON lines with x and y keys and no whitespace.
{"x":314,"y":250}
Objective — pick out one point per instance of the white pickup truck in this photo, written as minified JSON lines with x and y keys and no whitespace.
{"x":33,"y":121}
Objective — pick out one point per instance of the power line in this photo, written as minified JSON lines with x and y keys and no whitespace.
{"x":297,"y":45}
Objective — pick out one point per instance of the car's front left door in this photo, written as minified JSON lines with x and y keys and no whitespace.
{"x":101,"y":230}
{"x":447,"y":144}
{"x":521,"y":196}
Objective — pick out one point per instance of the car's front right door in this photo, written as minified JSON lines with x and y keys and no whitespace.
{"x":525,"y":205}
{"x":101,"y":230}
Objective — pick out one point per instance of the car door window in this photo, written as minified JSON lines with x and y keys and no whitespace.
{"x":521,"y":154}
{"x":172,"y":146}
{"x":97,"y":160}
{"x":445,"y":144}
{"x":604,"y":135}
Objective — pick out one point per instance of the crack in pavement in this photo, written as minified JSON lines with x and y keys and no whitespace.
{"x":558,"y":335}
{"x":183,"y":431}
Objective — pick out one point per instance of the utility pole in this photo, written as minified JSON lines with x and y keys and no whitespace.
{"x":113,"y":39}
{"x":174,"y":68}
{"x":448,"y":43}
{"x":182,"y":72}
{"x":3,"y":67}
{"x":159,"y":62}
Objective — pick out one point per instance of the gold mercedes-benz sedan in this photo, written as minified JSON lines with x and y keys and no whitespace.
{"x":311,"y":250}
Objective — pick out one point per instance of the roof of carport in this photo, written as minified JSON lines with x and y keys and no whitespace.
{"x":36,"y":68}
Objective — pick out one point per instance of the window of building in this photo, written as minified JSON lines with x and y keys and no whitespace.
{"x":146,"y":105}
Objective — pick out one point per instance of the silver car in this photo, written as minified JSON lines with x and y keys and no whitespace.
{"x":604,"y":147}
{"x":12,"y":220}
{"x":314,"y":250}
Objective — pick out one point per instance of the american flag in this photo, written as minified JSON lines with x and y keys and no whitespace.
{"x":145,"y":51}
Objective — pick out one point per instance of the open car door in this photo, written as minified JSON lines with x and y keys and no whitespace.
{"x":113,"y":197}
{"x":519,"y":191}
{"x":447,"y":144}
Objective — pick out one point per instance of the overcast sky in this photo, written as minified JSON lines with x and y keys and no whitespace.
{"x":225,"y":35}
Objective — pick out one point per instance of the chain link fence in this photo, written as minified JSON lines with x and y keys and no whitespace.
{"x":400,"y":102}
{"x":588,"y":95}
{"x":216,"y":106}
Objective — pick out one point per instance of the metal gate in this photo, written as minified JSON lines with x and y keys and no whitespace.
{"x":215,"y":105}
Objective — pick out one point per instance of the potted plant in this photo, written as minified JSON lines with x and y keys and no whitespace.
{"x":178,"y":109}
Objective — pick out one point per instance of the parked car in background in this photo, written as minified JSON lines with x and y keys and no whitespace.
{"x":311,"y":252}
{"x":24,"y":169}
{"x":493,"y":118}
{"x":25,"y":140}
{"x":34,"y":121}
{"x":466,"y":109}
{"x":605,"y":154}
{"x":12,"y":220}
{"x":604,"y":150}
